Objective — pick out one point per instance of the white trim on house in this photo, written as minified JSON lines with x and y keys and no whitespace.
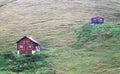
{"x":33,"y":51}
{"x":18,"y":52}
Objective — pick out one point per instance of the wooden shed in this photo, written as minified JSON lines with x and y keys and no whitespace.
{"x":97,"y":20}
{"x":27,"y":45}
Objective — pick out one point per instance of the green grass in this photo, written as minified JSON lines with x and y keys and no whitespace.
{"x":95,"y":56}
{"x":11,"y":63}
{"x":55,"y":28}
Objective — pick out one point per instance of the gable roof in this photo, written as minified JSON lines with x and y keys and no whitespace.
{"x":33,"y":40}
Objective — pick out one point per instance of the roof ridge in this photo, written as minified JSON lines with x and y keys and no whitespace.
{"x":31,"y":38}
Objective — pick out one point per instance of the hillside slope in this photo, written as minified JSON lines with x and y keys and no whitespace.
{"x":53,"y":22}
{"x":97,"y":52}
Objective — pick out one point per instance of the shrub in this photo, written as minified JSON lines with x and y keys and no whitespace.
{"x":25,"y":63}
{"x":87,"y":32}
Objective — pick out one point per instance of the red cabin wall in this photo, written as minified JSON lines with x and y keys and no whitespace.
{"x":25,"y":46}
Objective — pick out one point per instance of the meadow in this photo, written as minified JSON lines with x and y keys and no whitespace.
{"x":54,"y":24}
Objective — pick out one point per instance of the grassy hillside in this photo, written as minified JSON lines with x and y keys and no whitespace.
{"x":98,"y":54}
{"x":12,"y":63}
{"x":53,"y":24}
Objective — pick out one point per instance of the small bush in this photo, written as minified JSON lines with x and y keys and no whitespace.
{"x":88,"y":32}
{"x":25,"y":63}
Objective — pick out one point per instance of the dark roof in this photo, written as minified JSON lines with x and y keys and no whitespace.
{"x":33,"y":40}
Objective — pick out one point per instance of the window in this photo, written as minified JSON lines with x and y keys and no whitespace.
{"x":30,"y":46}
{"x":21,"y":46}
{"x":100,"y":20}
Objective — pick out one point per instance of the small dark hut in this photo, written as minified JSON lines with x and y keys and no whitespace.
{"x":97,"y":20}
{"x":27,"y":45}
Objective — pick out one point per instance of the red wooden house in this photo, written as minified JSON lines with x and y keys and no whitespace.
{"x":27,"y":45}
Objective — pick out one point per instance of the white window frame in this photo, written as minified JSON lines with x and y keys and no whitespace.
{"x":21,"y":46}
{"x":30,"y":46}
